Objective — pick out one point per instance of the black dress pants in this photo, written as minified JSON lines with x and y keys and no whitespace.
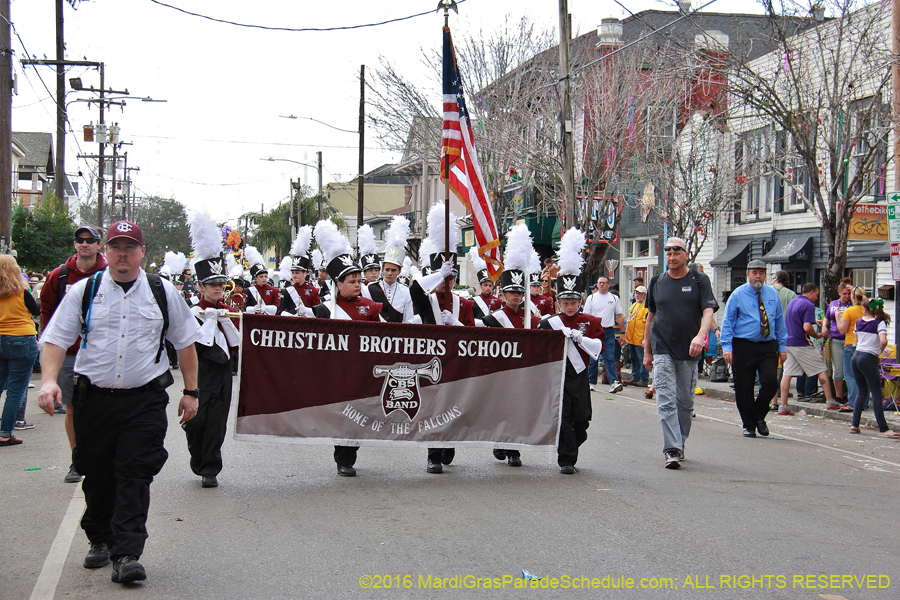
{"x":748,"y":359}
{"x":206,"y":431}
{"x":119,"y":438}
{"x":576,"y":415}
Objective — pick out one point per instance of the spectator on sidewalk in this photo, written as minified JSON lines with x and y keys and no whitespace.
{"x":681,"y":306}
{"x":802,"y":356}
{"x":608,"y":307}
{"x":753,"y":339}
{"x":847,"y":326}
{"x":835,"y":342}
{"x":871,"y":340}
{"x":18,"y":344}
{"x":636,"y":321}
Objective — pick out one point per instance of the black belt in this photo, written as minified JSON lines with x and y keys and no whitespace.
{"x":83,"y":384}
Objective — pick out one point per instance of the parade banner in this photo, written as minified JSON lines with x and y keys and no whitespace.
{"x":323,"y":381}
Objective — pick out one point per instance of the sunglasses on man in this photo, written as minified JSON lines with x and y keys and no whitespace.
{"x":86,"y":240}
{"x":674,"y":249}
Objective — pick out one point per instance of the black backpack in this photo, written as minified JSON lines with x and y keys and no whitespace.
{"x":718,"y":370}
{"x":156,"y":288}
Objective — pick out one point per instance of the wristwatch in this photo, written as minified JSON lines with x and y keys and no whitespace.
{"x":194,"y":393}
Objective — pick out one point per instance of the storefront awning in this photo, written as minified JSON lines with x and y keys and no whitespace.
{"x":734,"y":255}
{"x":790,"y":249}
{"x":883,"y":253}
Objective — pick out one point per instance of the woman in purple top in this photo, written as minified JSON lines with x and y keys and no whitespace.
{"x":871,"y":340}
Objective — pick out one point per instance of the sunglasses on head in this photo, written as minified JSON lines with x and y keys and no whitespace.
{"x":674,"y":249}
{"x":86,"y":240}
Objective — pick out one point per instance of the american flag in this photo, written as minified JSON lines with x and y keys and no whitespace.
{"x":465,"y":175}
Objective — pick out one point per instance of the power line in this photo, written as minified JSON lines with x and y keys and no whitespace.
{"x":181,"y":139}
{"x":294,"y":29}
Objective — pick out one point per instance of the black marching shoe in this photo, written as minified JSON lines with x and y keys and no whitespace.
{"x":72,"y":476}
{"x":749,"y":432}
{"x":447,"y":455}
{"x":209,"y":481}
{"x":97,"y":556}
{"x":500,"y":454}
{"x":434,"y":466}
{"x":762,"y":428}
{"x":127,"y":569}
{"x":568,"y":469}
{"x":514,"y":461}
{"x":346,"y":471}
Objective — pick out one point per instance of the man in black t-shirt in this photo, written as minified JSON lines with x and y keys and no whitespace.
{"x":680,"y":302}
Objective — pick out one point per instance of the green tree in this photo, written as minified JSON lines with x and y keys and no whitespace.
{"x":273,"y":228}
{"x":164,"y":223}
{"x":43,"y":234}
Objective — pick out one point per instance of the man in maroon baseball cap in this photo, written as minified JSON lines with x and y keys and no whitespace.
{"x":125,"y":229}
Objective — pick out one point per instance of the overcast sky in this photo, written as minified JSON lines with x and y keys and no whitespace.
{"x":227,"y":86}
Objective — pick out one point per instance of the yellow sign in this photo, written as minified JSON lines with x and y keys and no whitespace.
{"x":869,"y":222}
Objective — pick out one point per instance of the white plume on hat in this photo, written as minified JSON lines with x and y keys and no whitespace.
{"x":534,"y":262}
{"x":301,"y":242}
{"x":173,"y":263}
{"x":436,"y":228}
{"x":414,"y":272}
{"x":317,"y":258}
{"x":365,"y":239}
{"x":254,"y":257}
{"x":426,"y":249}
{"x":518,"y":254}
{"x":397,"y":233}
{"x":571,"y":252}
{"x":477,"y":262}
{"x":284,"y":269}
{"x":407,"y":265}
{"x":234,"y":269}
{"x":206,"y":237}
{"x":332,"y":242}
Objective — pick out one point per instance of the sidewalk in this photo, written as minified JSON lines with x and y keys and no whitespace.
{"x":724,"y":391}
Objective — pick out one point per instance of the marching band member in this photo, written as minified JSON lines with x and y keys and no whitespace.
{"x":300,"y":293}
{"x":541,"y":305}
{"x":585,"y":334}
{"x":485,"y":302}
{"x":206,"y":431}
{"x":261,"y":297}
{"x":347,"y":304}
{"x":396,"y":303}
{"x":368,"y":254}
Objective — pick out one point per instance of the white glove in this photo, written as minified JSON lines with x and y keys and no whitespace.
{"x":223,"y":312}
{"x":210,"y":314}
{"x":269,"y":309}
{"x":576,"y":336}
{"x":251,"y":310}
{"x":303,"y":311}
{"x":447,"y":317}
{"x":285,"y":313}
{"x":446,"y":269}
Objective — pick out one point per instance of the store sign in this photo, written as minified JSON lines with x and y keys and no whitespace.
{"x":869,"y":222}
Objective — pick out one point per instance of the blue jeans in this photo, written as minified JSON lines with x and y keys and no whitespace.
{"x":608,"y":356}
{"x":17,"y":356}
{"x":868,"y":381}
{"x":850,"y":380}
{"x":638,"y":370}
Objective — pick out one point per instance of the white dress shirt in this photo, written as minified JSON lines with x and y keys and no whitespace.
{"x":123,"y":331}
{"x":397,"y":295}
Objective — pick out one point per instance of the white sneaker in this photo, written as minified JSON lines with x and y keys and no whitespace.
{"x":616,"y":387}
{"x":592,"y":388}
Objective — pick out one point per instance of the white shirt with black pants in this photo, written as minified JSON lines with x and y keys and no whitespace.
{"x":120,"y":401}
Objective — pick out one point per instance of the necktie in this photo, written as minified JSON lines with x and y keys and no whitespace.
{"x":763,"y":317}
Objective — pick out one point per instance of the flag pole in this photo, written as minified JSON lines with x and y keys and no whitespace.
{"x":447,"y":4}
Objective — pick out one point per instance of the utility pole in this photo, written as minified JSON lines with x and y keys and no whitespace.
{"x":59,"y":176}
{"x":112,"y":195}
{"x":565,"y":117}
{"x":362,"y":126}
{"x":319,"y":160}
{"x":292,"y":218}
{"x":5,"y":129}
{"x":895,"y":101}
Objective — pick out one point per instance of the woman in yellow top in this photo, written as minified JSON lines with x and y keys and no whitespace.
{"x":18,"y":346}
{"x":847,"y":326}
{"x":635,"y":321}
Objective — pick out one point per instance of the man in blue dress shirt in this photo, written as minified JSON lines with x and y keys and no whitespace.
{"x":753,"y":338}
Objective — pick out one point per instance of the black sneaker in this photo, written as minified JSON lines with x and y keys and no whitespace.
{"x":72,"y":476}
{"x":673,"y":459}
{"x":500,"y":454}
{"x":434,"y":466}
{"x":127,"y":569}
{"x":568,"y":469}
{"x":513,"y":461}
{"x":97,"y":556}
{"x":209,"y":481}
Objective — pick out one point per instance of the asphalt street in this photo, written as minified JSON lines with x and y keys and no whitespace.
{"x":810,"y":512}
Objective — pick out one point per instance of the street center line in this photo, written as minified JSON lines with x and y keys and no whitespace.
{"x":793,"y":439}
{"x":45,"y":588}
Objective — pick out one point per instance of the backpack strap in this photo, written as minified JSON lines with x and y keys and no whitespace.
{"x":90,"y":290}
{"x":159,"y":294}
{"x":61,"y":286}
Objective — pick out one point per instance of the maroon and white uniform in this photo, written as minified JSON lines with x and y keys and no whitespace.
{"x":541,"y":305}
{"x":259,"y":297}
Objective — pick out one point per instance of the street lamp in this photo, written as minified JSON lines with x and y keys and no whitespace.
{"x":317,"y":167}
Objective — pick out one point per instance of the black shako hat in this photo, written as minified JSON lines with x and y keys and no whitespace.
{"x":369,"y":261}
{"x":211,"y":270}
{"x":301,"y":263}
{"x":256,"y":270}
{"x":569,"y":286}
{"x":512,"y":280}
{"x":341,"y":265}
{"x":436,"y":260}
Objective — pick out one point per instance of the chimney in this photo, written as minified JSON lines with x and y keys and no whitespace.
{"x":609,"y":35}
